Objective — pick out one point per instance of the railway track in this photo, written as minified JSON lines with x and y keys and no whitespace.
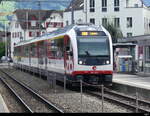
{"x":123,"y":100}
{"x":30,"y":99}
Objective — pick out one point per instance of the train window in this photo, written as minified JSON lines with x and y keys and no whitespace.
{"x":56,"y":48}
{"x":41,"y":49}
{"x":33,"y":50}
{"x":17,"y":51}
{"x":22,"y":50}
{"x":26,"y":51}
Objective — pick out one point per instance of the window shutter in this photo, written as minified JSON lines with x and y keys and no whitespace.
{"x":30,"y":34}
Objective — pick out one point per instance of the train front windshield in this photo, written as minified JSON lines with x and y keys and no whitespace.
{"x":93,"y":50}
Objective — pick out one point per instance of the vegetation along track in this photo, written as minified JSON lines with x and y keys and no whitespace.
{"x":30,"y":99}
{"x":122,"y":99}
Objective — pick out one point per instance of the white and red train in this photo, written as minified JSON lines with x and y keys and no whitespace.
{"x":81,"y":51}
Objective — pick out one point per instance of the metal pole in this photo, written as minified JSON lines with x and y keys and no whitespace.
{"x":81,"y":91}
{"x":54,"y":83}
{"x":27,"y":19}
{"x":40,"y":72}
{"x":86,"y":11}
{"x":65,"y":87}
{"x":72,"y":13}
{"x":39,"y":4}
{"x":137,"y":105}
{"x":64,"y":84}
{"x":5,"y":40}
{"x":102,"y":91}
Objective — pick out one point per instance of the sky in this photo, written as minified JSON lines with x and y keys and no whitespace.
{"x":147,"y":2}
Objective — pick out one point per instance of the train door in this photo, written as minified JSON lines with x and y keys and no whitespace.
{"x":68,"y":56}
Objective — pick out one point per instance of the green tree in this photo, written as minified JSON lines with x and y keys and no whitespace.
{"x":114,"y":32}
{"x":2,"y":49}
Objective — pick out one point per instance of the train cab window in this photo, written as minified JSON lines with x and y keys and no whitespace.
{"x":93,"y":50}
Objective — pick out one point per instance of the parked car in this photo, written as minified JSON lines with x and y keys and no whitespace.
{"x":6,"y":59}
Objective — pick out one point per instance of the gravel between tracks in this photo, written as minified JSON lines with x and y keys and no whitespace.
{"x":70,"y":101}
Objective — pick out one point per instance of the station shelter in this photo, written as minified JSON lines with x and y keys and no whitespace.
{"x":140,"y":53}
{"x":124,"y":57}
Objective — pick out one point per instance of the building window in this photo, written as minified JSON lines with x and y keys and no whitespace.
{"x":127,"y":3}
{"x":33,"y":23}
{"x":104,"y":21}
{"x":104,"y":5}
{"x":16,"y":25}
{"x":117,"y":22}
{"x":116,"y":5}
{"x":32,"y":34}
{"x":92,"y":5}
{"x":92,"y":20}
{"x":129,"y":34}
{"x":136,"y":5}
{"x":38,"y":34}
{"x":129,"y":22}
{"x":67,"y":23}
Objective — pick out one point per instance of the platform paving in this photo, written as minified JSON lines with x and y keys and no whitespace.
{"x":3,"y":107}
{"x":132,"y":80}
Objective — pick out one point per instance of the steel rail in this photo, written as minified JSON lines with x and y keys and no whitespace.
{"x":106,"y":97}
{"x":27,"y":108}
{"x":109,"y":91}
{"x":48,"y":103}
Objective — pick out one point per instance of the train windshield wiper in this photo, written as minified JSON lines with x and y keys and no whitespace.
{"x":87,"y":53}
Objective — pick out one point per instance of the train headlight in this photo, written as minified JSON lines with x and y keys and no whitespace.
{"x":80,"y":62}
{"x":107,"y":62}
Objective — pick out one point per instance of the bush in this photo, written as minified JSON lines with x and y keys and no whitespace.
{"x":2,"y":49}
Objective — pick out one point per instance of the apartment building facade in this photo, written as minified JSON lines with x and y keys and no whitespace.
{"x":131,"y":16}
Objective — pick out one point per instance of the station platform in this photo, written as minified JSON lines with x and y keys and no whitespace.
{"x":132,"y":80}
{"x":3,"y":107}
{"x":131,"y":84}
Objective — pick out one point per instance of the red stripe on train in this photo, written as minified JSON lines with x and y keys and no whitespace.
{"x":91,"y":72}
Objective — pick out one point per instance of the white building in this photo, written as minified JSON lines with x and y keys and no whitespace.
{"x":54,"y":21}
{"x":131,"y":16}
{"x":28,"y":24}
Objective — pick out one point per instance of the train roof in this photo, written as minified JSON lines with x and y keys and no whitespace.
{"x":61,"y":32}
